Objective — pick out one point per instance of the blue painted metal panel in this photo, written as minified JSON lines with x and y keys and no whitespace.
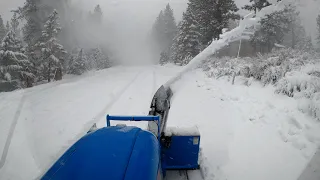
{"x":183,"y":153}
{"x":106,"y":154}
{"x":133,"y":118}
{"x":145,"y":158}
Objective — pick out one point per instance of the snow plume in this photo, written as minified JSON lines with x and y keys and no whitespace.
{"x":228,"y":37}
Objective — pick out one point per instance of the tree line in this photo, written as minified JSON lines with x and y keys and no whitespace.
{"x":39,"y":44}
{"x":205,"y":20}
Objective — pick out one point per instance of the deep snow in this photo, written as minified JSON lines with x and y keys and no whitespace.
{"x":247,"y":133}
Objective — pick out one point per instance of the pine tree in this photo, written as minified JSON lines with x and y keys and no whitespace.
{"x":31,"y":32}
{"x":33,"y":12}
{"x":187,"y":42}
{"x":305,"y":44}
{"x":176,"y":47}
{"x":158,"y":32}
{"x":2,"y":29}
{"x":164,"y":30}
{"x":224,"y":12}
{"x":15,"y":23}
{"x":99,"y":59}
{"x":77,"y":64}
{"x":257,"y":5}
{"x":8,"y":28}
{"x":296,"y":36}
{"x":14,"y":64}
{"x":97,"y":14}
{"x":272,"y":30}
{"x":164,"y":58}
{"x":52,"y":53}
{"x":202,"y":22}
{"x":170,"y":26}
{"x":213,"y":16}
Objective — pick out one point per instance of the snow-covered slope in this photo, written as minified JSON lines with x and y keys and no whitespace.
{"x":247,"y":133}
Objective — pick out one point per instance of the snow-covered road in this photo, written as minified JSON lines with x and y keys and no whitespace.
{"x":54,"y":115}
{"x":247,"y":133}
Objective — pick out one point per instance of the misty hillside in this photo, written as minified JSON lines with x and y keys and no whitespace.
{"x":246,"y":73}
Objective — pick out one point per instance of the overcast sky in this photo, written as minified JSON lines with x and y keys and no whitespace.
{"x":138,"y":15}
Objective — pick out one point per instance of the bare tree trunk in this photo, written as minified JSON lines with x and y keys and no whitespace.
{"x":58,"y":74}
{"x":293,"y":37}
{"x":233,"y":77}
{"x":269,"y":47}
{"x":29,"y":82}
{"x":49,"y":69}
{"x":239,"y":48}
{"x":255,"y":48}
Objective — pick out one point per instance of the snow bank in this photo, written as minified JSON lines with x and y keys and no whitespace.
{"x":182,"y":131}
{"x":293,"y":73}
{"x":247,"y":133}
{"x":315,"y":106}
{"x":311,"y":106}
{"x":312,"y":69}
{"x":298,"y":84}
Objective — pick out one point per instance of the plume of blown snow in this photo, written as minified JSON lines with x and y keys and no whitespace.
{"x":226,"y":38}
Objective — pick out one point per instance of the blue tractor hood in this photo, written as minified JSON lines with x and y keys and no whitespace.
{"x":111,"y":153}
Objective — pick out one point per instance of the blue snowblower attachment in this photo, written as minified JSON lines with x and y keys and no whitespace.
{"x":129,"y":153}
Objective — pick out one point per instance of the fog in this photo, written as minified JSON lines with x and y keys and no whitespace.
{"x":7,"y":5}
{"x":127,"y":23}
{"x":130,"y":22}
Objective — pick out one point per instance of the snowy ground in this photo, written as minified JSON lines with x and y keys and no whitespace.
{"x":248,"y":133}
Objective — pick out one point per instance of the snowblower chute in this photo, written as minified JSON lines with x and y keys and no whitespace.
{"x":129,"y":153}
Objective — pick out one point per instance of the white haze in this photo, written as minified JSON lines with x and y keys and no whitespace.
{"x":130,"y":22}
{"x":7,"y":5}
{"x":127,"y":23}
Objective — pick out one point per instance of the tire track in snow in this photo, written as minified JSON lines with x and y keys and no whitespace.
{"x":135,"y":101}
{"x":26,"y":94}
{"x":102,"y":113}
{"x":138,"y":97}
{"x":96,"y":119}
{"x":29,"y":93}
{"x":11,"y":131}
